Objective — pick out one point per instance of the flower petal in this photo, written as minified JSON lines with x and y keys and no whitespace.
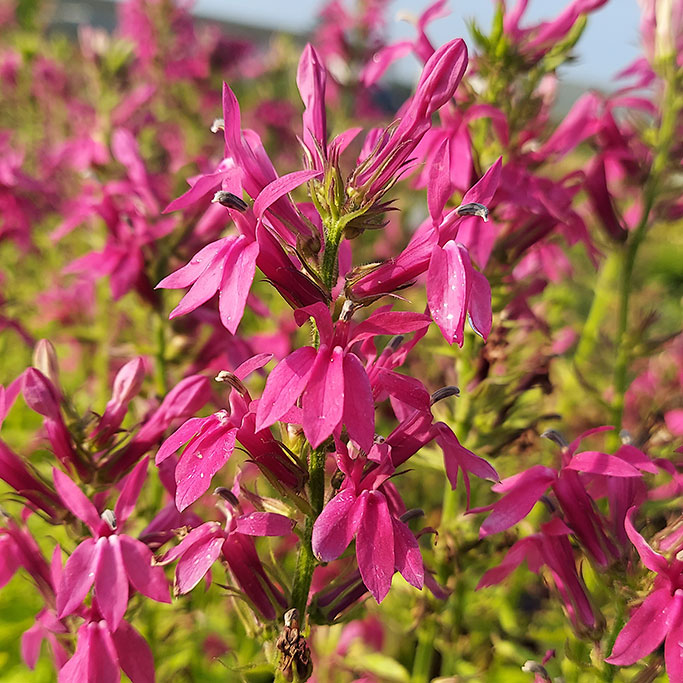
{"x":407,"y":554}
{"x":180,"y":437}
{"x":335,"y":526}
{"x":449,"y":280}
{"x":77,"y":577}
{"x":375,"y":545}
{"x":652,"y":560}
{"x":645,"y":630}
{"x":284,"y":385}
{"x":238,"y":274}
{"x":146,"y":579}
{"x":196,"y":561}
{"x":134,"y":654}
{"x":264,"y":524}
{"x":200,"y":462}
{"x":323,"y":397}
{"x":111,"y":583}
{"x":359,"y":407}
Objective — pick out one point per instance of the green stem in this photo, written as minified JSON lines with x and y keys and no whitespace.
{"x":670,"y":108}
{"x":333,"y":236}
{"x":602,"y":300}
{"x":160,"y":353}
{"x":424,"y":653}
{"x":305,"y":563}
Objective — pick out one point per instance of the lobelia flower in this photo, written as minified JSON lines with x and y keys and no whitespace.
{"x":203,"y":545}
{"x":102,"y":652}
{"x":551,"y":547}
{"x":127,"y":384}
{"x":228,"y":265}
{"x":384,"y":544}
{"x":454,"y":288}
{"x":331,"y":380}
{"x":185,"y":399}
{"x":211,"y":440}
{"x":571,"y":485}
{"x":659,"y":617}
{"x":110,"y":559}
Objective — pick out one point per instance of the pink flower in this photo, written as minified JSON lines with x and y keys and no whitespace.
{"x":660,"y":616}
{"x":203,"y":545}
{"x":210,"y":442}
{"x":384,"y":544}
{"x":331,"y":380}
{"x":552,"y":547}
{"x":110,"y":560}
{"x":102,"y":651}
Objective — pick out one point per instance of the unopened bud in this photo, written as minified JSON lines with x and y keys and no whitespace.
{"x":229,"y":200}
{"x":45,"y":359}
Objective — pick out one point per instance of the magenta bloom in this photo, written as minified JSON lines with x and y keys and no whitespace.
{"x":331,"y":380}
{"x":206,"y":543}
{"x":210,"y":442}
{"x":660,"y":616}
{"x":110,"y":560}
{"x":384,"y":544}
{"x":102,"y":651}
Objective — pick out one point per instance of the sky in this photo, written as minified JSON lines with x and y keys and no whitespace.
{"x":609,"y":43}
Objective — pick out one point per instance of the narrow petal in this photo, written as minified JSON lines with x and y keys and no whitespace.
{"x":199,"y":463}
{"x":483,"y":190}
{"x":390,"y":322}
{"x":449,"y":280}
{"x":375,"y":545}
{"x":645,"y":630}
{"x":264,"y":524}
{"x":517,"y":503}
{"x":238,"y":274}
{"x":525,"y":549}
{"x":189,"y":273}
{"x":134,"y":654}
{"x":77,"y":577}
{"x":323,"y":397}
{"x":75,"y":500}
{"x":335,"y":526}
{"x":179,"y":438}
{"x":130,"y":492}
{"x":652,"y":560}
{"x":111,"y":583}
{"x":196,"y":562}
{"x":280,"y":187}
{"x":595,"y":462}
{"x":284,"y":385}
{"x":146,"y":579}
{"x":479,"y":307}
{"x":673,"y":646}
{"x":439,"y":188}
{"x":407,"y":554}
{"x":206,"y":285}
{"x":359,"y":407}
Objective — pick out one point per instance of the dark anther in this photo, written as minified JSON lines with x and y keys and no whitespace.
{"x":232,"y":380}
{"x":555,"y":436}
{"x":227,"y":495}
{"x":414,"y":513}
{"x":395,"y":342}
{"x":473,"y":209}
{"x":444,"y":392}
{"x":230,"y":200}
